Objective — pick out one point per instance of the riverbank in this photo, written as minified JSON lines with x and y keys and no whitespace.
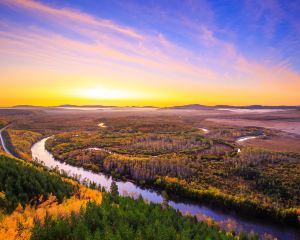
{"x":280,"y":231}
{"x":250,"y":205}
{"x":240,"y":205}
{"x":245,"y":205}
{"x":3,"y":142}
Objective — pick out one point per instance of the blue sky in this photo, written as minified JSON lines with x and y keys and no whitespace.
{"x":262,"y":30}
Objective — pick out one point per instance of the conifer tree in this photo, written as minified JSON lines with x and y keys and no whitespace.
{"x":165,"y":202}
{"x":114,"y":189}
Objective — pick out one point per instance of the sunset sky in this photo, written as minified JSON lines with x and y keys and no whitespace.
{"x":149,"y":52}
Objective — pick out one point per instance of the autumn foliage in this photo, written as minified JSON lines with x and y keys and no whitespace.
{"x":19,"y":224}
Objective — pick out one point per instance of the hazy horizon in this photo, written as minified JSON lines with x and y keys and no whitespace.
{"x":149,"y":106}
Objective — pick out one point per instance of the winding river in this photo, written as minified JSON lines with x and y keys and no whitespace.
{"x":2,"y":143}
{"x":183,"y":205}
{"x":246,"y":138}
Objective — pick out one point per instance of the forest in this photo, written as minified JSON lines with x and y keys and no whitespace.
{"x":174,"y":154}
{"x":22,"y":183}
{"x":126,"y":218}
{"x":37,"y":204}
{"x":3,"y":123}
{"x":206,"y":167}
{"x":19,"y":142}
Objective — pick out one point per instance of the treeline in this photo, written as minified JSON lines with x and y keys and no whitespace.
{"x":21,"y":183}
{"x":137,"y":143}
{"x":19,"y":142}
{"x":91,"y":159}
{"x":254,"y":181}
{"x":272,"y":185}
{"x":80,"y":149}
{"x":3,"y":123}
{"x":156,"y":144}
{"x":241,"y":204}
{"x":9,"y":144}
{"x":146,"y":124}
{"x":128,"y":219}
{"x":148,"y":168}
{"x":277,"y":174}
{"x":232,"y":133}
{"x":259,"y":157}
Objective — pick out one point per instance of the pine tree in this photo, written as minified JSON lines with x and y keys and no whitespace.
{"x":165,"y":202}
{"x":114,"y":189}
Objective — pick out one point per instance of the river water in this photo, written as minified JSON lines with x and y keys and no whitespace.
{"x":243,"y":139}
{"x":183,"y":205}
{"x":2,"y":143}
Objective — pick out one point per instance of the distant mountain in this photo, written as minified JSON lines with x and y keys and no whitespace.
{"x":258,"y":107}
{"x":140,"y":107}
{"x":83,"y":106}
{"x":100,"y":106}
{"x":191,"y":107}
{"x":204,"y":107}
{"x":26,"y":106}
{"x":80,"y":106}
{"x":181,"y":107}
{"x":67,"y":105}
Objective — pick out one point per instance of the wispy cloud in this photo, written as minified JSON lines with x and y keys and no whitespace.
{"x":62,"y":15}
{"x":110,"y":49}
